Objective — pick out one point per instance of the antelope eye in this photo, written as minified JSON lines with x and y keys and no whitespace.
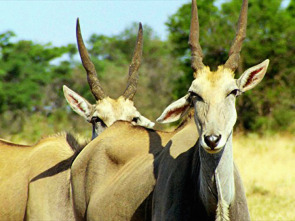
{"x":95,"y":119}
{"x":234,"y":92}
{"x":195,"y":95}
{"x":135,"y":119}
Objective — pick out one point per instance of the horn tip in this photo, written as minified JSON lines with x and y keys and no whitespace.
{"x":78,"y":22}
{"x":140,"y":27}
{"x":78,"y":29}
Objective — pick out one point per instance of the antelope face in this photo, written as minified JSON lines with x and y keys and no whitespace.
{"x":106,"y":111}
{"x":213,"y":95}
{"x":109,"y":111}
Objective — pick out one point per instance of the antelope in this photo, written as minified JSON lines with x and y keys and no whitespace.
{"x":35,"y":180}
{"x":99,"y":162}
{"x":194,"y":174}
{"x":199,"y":182}
{"x":102,"y":115}
{"x":114,"y":176}
{"x":107,"y":110}
{"x":20,"y":165}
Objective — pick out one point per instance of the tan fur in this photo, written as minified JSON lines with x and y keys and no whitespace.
{"x":185,"y":139}
{"x":212,"y":76}
{"x":216,"y":81}
{"x":114,"y":173}
{"x":107,"y":109}
{"x":19,"y":164}
{"x":111,"y":110}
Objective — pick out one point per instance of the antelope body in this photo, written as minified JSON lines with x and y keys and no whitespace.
{"x":102,"y":115}
{"x":97,"y":157}
{"x":42,"y":191}
{"x":114,"y":174}
{"x":202,"y":183}
{"x":113,"y":178}
{"x":20,"y":165}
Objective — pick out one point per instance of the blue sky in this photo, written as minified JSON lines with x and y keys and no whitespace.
{"x":54,"y":21}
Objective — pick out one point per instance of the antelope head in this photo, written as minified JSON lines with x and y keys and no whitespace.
{"x":213,"y":93}
{"x":106,"y":111}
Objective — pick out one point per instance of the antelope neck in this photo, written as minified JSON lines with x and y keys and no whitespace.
{"x":222,"y":164}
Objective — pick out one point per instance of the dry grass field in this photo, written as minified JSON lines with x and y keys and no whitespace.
{"x":267,"y":167}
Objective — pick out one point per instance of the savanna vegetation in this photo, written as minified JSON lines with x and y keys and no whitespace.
{"x":266,"y":165}
{"x":32,"y":103}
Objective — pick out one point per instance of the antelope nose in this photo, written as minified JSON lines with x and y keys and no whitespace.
{"x":212,"y":141}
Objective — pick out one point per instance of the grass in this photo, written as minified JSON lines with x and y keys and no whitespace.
{"x":267,"y":167}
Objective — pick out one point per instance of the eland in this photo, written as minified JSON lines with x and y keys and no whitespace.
{"x":21,"y":165}
{"x":35,"y":180}
{"x":200,"y":182}
{"x":106,"y":111}
{"x":114,"y":174}
{"x":102,"y":115}
{"x":194,"y":174}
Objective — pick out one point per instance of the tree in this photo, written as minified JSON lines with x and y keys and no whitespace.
{"x":26,"y":69}
{"x":270,"y":106}
{"x":30,"y":77}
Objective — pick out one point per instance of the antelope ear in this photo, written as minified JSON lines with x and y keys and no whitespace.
{"x":144,"y":122}
{"x":79,"y":104}
{"x":175,"y":110}
{"x":252,"y":76}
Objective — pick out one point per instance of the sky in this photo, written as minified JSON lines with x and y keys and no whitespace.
{"x":44,"y":21}
{"x":54,"y":21}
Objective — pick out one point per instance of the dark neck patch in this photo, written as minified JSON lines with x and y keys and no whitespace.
{"x":58,"y":168}
{"x":74,"y":144}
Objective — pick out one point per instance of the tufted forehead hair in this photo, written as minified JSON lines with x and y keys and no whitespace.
{"x":108,"y":105}
{"x":114,"y":102}
{"x":214,"y":77}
